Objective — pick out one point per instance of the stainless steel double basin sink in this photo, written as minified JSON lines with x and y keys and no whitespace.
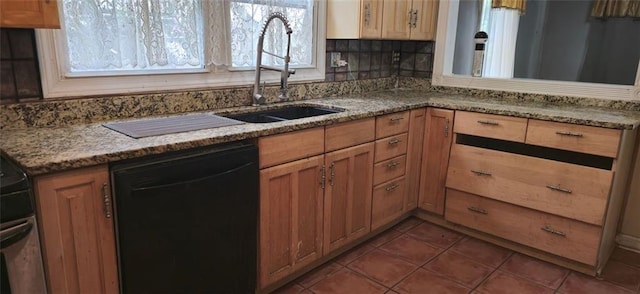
{"x":283,"y":114}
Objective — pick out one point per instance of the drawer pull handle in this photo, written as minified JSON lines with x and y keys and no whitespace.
{"x":560,"y":189}
{"x":392,"y":164}
{"x":391,"y":187}
{"x":396,"y":119}
{"x":477,"y":210}
{"x":570,"y":134}
{"x":394,"y":141}
{"x":332,"y":173}
{"x":488,"y":122}
{"x":480,"y":172}
{"x":551,"y":230}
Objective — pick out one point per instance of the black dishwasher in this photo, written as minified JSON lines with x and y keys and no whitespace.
{"x":187,"y":223}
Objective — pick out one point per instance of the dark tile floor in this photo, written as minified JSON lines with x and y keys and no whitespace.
{"x":419,"y":257}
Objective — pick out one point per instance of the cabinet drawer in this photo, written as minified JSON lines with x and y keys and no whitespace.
{"x":291,"y":146}
{"x":349,"y":134}
{"x":564,"y":237}
{"x":490,"y":126}
{"x":560,"y":188}
{"x":391,"y":124}
{"x":389,"y":169}
{"x":391,"y":147}
{"x":387,"y":203}
{"x":585,"y":139}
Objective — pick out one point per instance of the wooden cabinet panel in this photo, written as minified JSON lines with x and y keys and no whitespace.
{"x":388,"y":202}
{"x":414,"y":157}
{"x":491,"y":126}
{"x":426,"y":18}
{"x":568,"y":190}
{"x":347,"y":204}
{"x":396,"y":19}
{"x":438,"y":136}
{"x":371,"y":24}
{"x":291,"y":146}
{"x":78,"y":238}
{"x":29,"y":14}
{"x":585,"y":139}
{"x":392,"y":124}
{"x":291,"y":206}
{"x":564,"y":237}
{"x":354,"y":19}
{"x":391,"y":147}
{"x":349,"y":134}
{"x":389,"y":169}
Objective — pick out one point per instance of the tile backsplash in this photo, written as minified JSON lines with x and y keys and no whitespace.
{"x":20,"y":75}
{"x":370,"y":59}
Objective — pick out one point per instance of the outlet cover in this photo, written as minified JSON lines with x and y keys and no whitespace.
{"x":335,"y":57}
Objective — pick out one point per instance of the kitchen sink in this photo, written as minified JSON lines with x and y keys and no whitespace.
{"x":282,"y":114}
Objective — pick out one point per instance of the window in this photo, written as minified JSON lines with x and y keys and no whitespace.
{"x":171,"y":44}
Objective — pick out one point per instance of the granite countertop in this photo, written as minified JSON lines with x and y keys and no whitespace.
{"x":45,"y":150}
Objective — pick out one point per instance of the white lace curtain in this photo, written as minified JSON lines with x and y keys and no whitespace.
{"x":108,"y":35}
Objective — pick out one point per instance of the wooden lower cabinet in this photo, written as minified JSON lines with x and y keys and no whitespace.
{"x":291,"y":205}
{"x":414,"y":158}
{"x":347,"y":199}
{"x":388,"y":202}
{"x":29,"y":14}
{"x":438,"y":136}
{"x":78,"y":239}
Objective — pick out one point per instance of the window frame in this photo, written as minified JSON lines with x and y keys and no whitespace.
{"x":57,"y":82}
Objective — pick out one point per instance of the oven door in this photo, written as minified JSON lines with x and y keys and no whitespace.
{"x":22,"y":270}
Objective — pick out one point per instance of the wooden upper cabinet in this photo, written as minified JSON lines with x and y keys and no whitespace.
{"x":354,"y":19}
{"x":425,"y":14}
{"x":347,"y":204}
{"x":410,"y":20}
{"x":396,"y":19}
{"x":291,"y":206}
{"x":29,"y":14}
{"x":435,"y":159}
{"x":76,"y":224}
{"x":371,"y":19}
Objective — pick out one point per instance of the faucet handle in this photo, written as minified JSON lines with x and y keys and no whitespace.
{"x":292,"y":72}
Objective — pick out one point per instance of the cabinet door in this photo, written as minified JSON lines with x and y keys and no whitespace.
{"x":396,"y":19}
{"x":371,"y":24}
{"x":414,"y":158}
{"x":435,"y":159}
{"x":347,"y":200}
{"x":77,"y":231}
{"x":29,"y":14}
{"x":290,"y":218}
{"x":425,"y":18}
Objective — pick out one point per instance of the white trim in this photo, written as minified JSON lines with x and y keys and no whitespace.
{"x":443,"y":70}
{"x":629,"y":242}
{"x":55,"y":83}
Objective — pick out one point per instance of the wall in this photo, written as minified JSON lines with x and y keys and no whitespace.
{"x":367,"y":59}
{"x":558,"y":40}
{"x":467,"y":23}
{"x":20,"y":75}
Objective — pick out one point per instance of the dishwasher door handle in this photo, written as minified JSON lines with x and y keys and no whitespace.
{"x":192,"y":181}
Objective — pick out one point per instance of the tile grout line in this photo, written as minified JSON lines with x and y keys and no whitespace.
{"x":431,"y":259}
{"x":494,"y":270}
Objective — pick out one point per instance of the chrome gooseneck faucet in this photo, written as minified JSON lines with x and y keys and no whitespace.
{"x":285,"y":72}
